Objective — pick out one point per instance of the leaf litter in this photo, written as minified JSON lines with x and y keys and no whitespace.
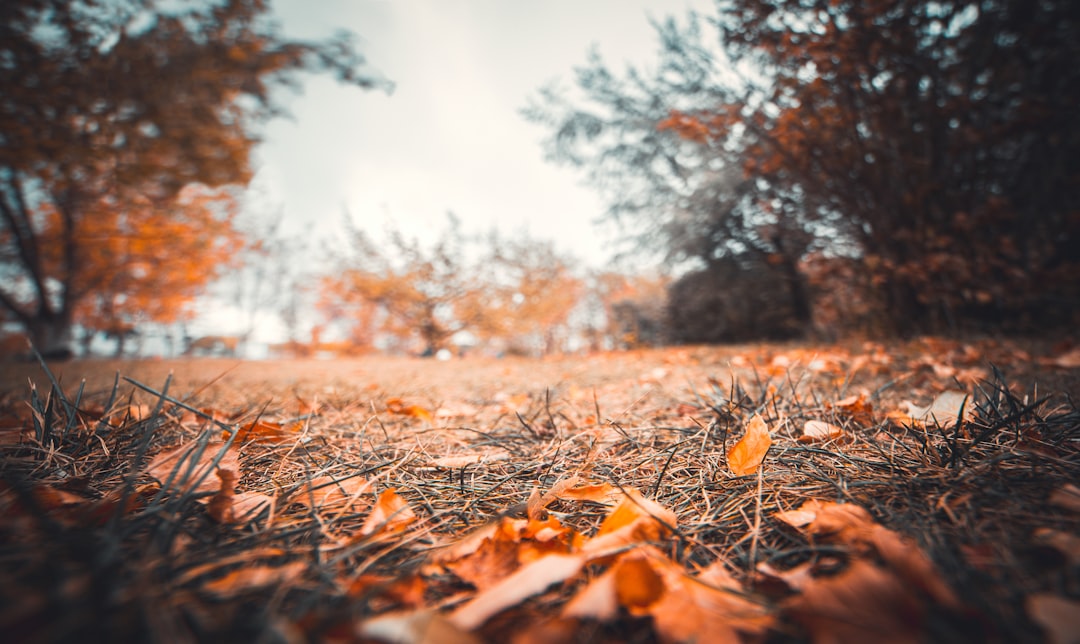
{"x":751,"y":499}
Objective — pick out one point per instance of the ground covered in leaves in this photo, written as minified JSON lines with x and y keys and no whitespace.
{"x":917,"y":492}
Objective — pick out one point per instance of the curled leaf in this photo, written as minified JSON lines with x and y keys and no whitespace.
{"x":750,"y":451}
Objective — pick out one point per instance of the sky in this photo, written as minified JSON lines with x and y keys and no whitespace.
{"x":450,"y":136}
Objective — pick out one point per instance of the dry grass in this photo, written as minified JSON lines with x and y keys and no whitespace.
{"x":973,"y":497}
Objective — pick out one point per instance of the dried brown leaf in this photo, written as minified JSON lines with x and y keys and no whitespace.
{"x":817,"y":430}
{"x":417,"y":627}
{"x":252,"y":578}
{"x":527,"y":581}
{"x":748,"y":453}
{"x":1058,"y":617}
{"x":391,"y":515}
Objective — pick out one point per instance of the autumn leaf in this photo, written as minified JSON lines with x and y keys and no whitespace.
{"x":391,"y":515}
{"x":327,"y":493}
{"x":187,"y":469}
{"x":864,"y":603}
{"x":944,"y":411}
{"x":254,"y":578}
{"x":748,"y":453}
{"x":398,"y":406}
{"x":495,"y":551}
{"x":852,"y":526}
{"x":419,"y":627}
{"x":527,"y":581}
{"x":1057,"y":616}
{"x":635,"y":520}
{"x":229,"y":507}
{"x":220,"y":506}
{"x":262,"y":430}
{"x":684,"y":608}
{"x":816,"y":430}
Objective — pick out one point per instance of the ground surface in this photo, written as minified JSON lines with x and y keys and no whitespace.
{"x":601,"y":497}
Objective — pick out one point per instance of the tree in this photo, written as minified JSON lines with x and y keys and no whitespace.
{"x":145,"y":264}
{"x":531,"y":292}
{"x":686,"y":196}
{"x":117,"y":107}
{"x":942,"y":135}
{"x":936,"y":142}
{"x":408,"y":290}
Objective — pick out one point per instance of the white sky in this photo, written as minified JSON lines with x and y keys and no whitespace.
{"x":450,"y":137}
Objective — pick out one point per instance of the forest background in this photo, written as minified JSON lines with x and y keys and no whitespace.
{"x":783,"y":170}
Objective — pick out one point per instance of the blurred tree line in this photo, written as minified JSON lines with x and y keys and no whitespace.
{"x":895,"y":166}
{"x":798,"y":165}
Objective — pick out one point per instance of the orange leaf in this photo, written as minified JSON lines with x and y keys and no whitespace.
{"x":220,"y":506}
{"x":527,"y":581}
{"x":750,"y":451}
{"x":636,"y":583}
{"x":330,"y":493}
{"x":635,"y":520}
{"x":390,"y":516}
{"x":177,"y":465}
{"x":398,"y":406}
{"x":862,"y":604}
{"x":417,"y":626}
{"x":252,"y":578}
{"x":265,"y":431}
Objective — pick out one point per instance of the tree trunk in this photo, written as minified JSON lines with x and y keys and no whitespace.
{"x":51,"y":334}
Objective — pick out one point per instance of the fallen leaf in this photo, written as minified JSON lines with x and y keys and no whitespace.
{"x":229,"y":507}
{"x":1058,"y":617}
{"x":186,"y":470}
{"x":1066,"y":497}
{"x":816,"y":430}
{"x":262,"y":430}
{"x":857,"y":408}
{"x":253,"y":578}
{"x":635,"y":520}
{"x":707,"y":608}
{"x":637,"y":585}
{"x":796,"y":518}
{"x":398,"y":406}
{"x":220,"y":506}
{"x":864,"y":603}
{"x":418,"y":627}
{"x":405,"y":591}
{"x":1065,"y":543}
{"x":391,"y":515}
{"x":332,"y":493}
{"x":943,"y":412}
{"x":504,"y":547}
{"x":750,"y":450}
{"x":527,"y":581}
{"x":852,"y":525}
{"x":1068,"y":360}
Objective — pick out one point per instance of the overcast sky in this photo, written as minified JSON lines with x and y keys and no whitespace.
{"x":450,"y":136}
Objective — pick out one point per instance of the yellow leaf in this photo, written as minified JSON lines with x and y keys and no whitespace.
{"x":750,"y":451}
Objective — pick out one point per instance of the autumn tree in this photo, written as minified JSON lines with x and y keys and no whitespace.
{"x":409,"y":289}
{"x":943,"y":136}
{"x":145,"y":263}
{"x":108,"y":111}
{"x":934,"y":141}
{"x":686,"y":199}
{"x":531,"y":292}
